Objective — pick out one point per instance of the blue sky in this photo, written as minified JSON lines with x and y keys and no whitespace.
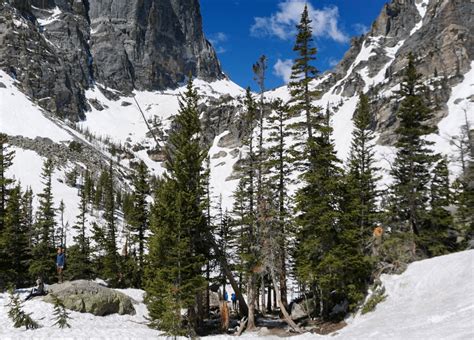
{"x":242,"y":30}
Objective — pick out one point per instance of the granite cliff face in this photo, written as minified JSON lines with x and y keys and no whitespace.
{"x":58,"y":48}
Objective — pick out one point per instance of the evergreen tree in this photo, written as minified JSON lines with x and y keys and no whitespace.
{"x":318,"y":204}
{"x":6,"y":160}
{"x":414,"y":158}
{"x":18,"y":316}
{"x":361,"y":182}
{"x":302,"y":74}
{"x":280,"y":170}
{"x":14,"y":250}
{"x":42,"y":262}
{"x":177,"y":246}
{"x":111,"y":260}
{"x":140,"y":220}
{"x":434,"y":237}
{"x":60,"y":313}
{"x":245,"y":209}
{"x":80,"y":253}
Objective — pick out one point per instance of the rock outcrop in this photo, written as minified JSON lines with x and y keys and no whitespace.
{"x":57,"y":49}
{"x":90,"y":297}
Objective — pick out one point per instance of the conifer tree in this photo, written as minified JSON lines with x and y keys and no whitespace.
{"x":140,"y":220}
{"x":177,"y":245}
{"x":434,"y":237}
{"x":318,"y":204}
{"x":302,"y":74}
{"x":414,"y":158}
{"x":42,"y":262}
{"x":18,"y":316}
{"x":245,"y":209}
{"x":110,"y":260}
{"x":80,"y":253}
{"x":6,"y":160}
{"x":60,"y":313}
{"x":280,"y":169}
{"x":14,"y":250}
{"x":362,"y":179}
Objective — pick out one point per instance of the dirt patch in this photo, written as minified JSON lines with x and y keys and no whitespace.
{"x":324,"y":328}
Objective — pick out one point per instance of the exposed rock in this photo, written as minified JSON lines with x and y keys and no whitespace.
{"x":220,"y":154}
{"x":90,"y":297}
{"x":58,"y":48}
{"x":302,"y":308}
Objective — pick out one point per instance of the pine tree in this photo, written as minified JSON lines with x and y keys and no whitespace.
{"x":177,"y":246}
{"x":360,"y":208}
{"x":302,"y":74}
{"x":18,"y":316}
{"x":42,"y":263}
{"x":80,"y":253}
{"x":6,"y":160}
{"x":111,"y":260}
{"x":14,"y":250}
{"x":318,"y":204}
{"x":414,"y":158}
{"x":140,"y":220}
{"x":245,"y":209}
{"x":60,"y":313}
{"x":434,"y":237}
{"x":279,"y":165}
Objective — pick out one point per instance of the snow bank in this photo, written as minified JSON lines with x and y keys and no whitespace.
{"x":432,"y":299}
{"x":19,"y":116}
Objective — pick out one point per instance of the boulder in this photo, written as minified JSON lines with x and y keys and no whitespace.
{"x":302,"y":308}
{"x":90,"y":297}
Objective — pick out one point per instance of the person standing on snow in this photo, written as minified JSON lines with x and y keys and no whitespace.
{"x":60,"y":261}
{"x":233,"y":297}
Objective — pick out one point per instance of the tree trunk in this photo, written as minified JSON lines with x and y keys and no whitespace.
{"x":223,"y":261}
{"x":262,"y":290}
{"x":283,"y":310}
{"x":269,"y":298}
{"x":251,"y":295}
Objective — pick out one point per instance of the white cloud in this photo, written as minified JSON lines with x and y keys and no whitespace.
{"x":217,"y":39}
{"x":282,"y":69}
{"x":282,"y":24}
{"x":361,"y":28}
{"x":333,"y":62}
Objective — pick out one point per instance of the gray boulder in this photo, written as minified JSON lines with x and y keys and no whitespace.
{"x":90,"y":297}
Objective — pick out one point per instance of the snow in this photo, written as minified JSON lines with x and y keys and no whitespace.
{"x":19,"y":116}
{"x":432,"y":299}
{"x":83,"y":325}
{"x":460,"y":108}
{"x":222,"y":168}
{"x":421,"y":6}
{"x":54,"y":16}
{"x":26,"y":168}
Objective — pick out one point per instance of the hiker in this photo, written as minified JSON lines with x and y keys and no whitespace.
{"x":60,"y":261}
{"x":377,"y":240}
{"x":226,"y":297}
{"x":38,"y":291}
{"x":233,"y":297}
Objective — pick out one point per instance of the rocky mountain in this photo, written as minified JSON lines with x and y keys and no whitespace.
{"x":57,"y":49}
{"x":83,"y":60}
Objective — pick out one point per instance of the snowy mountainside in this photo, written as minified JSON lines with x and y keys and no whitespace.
{"x":435,"y":30}
{"x":409,"y":311}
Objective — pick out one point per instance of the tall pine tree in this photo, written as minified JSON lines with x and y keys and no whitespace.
{"x":414,"y":159}
{"x":42,"y":263}
{"x":177,"y":245}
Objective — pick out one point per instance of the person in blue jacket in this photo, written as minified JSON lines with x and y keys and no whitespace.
{"x":60,"y":262}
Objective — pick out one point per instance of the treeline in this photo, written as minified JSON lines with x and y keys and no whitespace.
{"x":29,"y":237}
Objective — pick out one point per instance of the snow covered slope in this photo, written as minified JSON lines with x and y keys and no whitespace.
{"x":433,"y":299}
